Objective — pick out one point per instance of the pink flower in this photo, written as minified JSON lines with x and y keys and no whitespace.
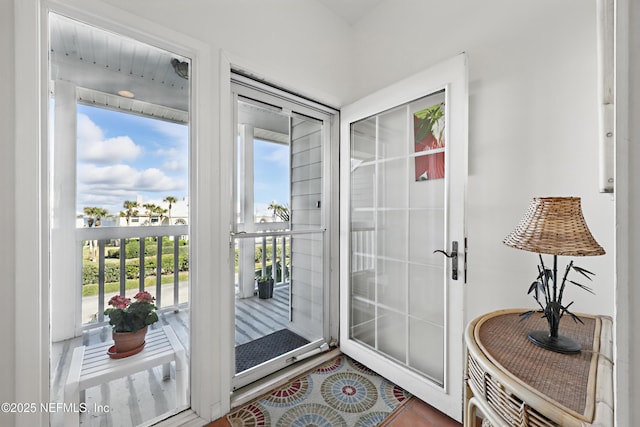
{"x":144,"y":296}
{"x":119,"y":301}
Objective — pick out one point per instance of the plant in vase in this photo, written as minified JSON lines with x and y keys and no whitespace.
{"x":130,"y":320}
{"x":265,"y":287}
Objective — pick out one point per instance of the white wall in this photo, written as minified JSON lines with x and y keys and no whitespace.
{"x":532,"y":112}
{"x":7,"y":217}
{"x":532,"y":117}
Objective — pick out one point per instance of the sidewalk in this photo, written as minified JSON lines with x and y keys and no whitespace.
{"x":90,"y":304}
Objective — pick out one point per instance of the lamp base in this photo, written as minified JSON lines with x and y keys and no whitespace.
{"x":559,"y":344}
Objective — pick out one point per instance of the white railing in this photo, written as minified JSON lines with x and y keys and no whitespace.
{"x":270,"y":243}
{"x":97,"y":239}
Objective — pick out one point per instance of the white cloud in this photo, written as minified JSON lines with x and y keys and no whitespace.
{"x":175,"y":132}
{"x":112,"y":170}
{"x":124,"y":177}
{"x":87,"y":130}
{"x":109,"y":186}
{"x":174,"y":166}
{"x":164,"y":152}
{"x":154,"y":179}
{"x":94,"y":148}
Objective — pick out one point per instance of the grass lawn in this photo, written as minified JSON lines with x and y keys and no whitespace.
{"x":92,"y":289}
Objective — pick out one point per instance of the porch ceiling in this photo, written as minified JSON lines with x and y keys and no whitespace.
{"x":101,"y":64}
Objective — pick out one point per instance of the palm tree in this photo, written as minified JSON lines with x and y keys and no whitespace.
{"x":95,"y":214}
{"x":100,"y":213}
{"x":160,"y":211}
{"x":280,"y":211}
{"x":130,"y":210}
{"x":151,"y":209}
{"x":171,"y":200}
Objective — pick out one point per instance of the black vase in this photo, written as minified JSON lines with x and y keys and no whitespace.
{"x":265,"y":289}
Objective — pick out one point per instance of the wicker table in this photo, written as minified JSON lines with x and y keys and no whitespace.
{"x":513,"y":382}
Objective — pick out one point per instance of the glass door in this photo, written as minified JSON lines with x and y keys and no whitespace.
{"x":279,"y":237}
{"x":404,"y":169}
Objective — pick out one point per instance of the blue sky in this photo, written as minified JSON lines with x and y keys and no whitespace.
{"x":271,"y":175}
{"x":121,"y":156}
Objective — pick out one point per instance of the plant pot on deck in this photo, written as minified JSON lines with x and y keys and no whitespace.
{"x":265,"y":289}
{"x":128,"y":342}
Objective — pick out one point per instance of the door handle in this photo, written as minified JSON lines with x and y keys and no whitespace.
{"x":454,"y":259}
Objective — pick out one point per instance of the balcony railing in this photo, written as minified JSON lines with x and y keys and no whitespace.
{"x":118,"y":239}
{"x":104,"y":256}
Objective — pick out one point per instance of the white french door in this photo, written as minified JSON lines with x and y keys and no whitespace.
{"x":403,"y":174}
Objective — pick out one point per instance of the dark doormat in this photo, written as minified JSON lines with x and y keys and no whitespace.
{"x":266,"y":348}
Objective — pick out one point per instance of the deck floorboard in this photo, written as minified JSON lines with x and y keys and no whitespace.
{"x":146,"y":395}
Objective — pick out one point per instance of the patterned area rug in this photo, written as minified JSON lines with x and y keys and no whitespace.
{"x":339,"y":393}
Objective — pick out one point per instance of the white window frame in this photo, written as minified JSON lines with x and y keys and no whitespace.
{"x":32,"y":201}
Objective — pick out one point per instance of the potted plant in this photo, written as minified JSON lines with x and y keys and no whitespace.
{"x":265,"y":286}
{"x":130,"y":321}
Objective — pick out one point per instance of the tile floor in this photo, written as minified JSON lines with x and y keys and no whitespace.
{"x":414,"y":413}
{"x":417,"y":413}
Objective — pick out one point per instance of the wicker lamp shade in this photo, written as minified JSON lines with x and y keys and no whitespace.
{"x":554,"y":225}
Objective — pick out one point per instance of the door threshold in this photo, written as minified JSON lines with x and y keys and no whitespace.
{"x":258,"y":388}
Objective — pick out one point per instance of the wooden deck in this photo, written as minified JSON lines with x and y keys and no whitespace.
{"x":256,"y":317}
{"x":145,"y":396}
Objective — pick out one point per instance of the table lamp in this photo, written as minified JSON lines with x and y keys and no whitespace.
{"x":554,"y":226}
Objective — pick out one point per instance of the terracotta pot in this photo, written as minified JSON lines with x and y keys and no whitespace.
{"x":127,"y":341}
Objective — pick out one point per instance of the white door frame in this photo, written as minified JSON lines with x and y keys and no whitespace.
{"x":229,"y":63}
{"x":32,"y":201}
{"x":452,"y":75}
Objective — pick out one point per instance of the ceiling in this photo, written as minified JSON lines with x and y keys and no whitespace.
{"x":351,"y":11}
{"x":101,"y":64}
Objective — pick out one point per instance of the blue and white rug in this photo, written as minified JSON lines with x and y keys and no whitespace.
{"x":339,"y":393}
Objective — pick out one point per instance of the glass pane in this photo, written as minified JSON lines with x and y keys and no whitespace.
{"x":131,"y":169}
{"x":279,"y":277}
{"x":392,"y":334}
{"x":263,"y":168}
{"x":392,"y":134}
{"x":363,"y":147}
{"x":391,"y":233}
{"x":119,"y":208}
{"x":363,"y":321}
{"x":393,"y":184}
{"x":397,"y":221}
{"x":426,"y":293}
{"x":429,"y":136}
{"x":424,"y":337}
{"x":391,"y":281}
